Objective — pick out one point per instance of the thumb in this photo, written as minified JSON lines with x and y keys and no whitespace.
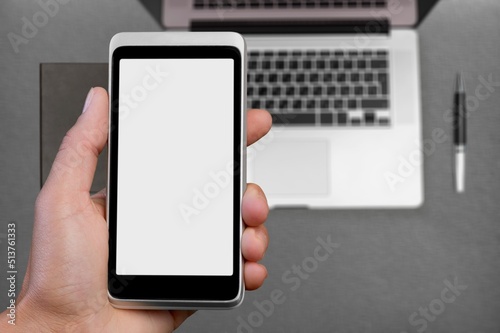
{"x":74,"y":166}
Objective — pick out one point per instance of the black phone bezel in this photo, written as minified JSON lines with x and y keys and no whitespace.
{"x":184,"y":288}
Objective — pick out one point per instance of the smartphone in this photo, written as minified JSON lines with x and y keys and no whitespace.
{"x":176,"y":169}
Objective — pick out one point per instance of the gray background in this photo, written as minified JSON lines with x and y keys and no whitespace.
{"x":389,"y":263}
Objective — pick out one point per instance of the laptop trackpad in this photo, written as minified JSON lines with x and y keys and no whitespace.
{"x":293,"y":167}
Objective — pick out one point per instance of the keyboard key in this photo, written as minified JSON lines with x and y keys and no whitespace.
{"x":276,"y":91}
{"x":311,"y":104}
{"x":318,"y":91}
{"x":280,"y":64}
{"x":342,"y":118}
{"x":287,"y":77}
{"x":313,"y":77}
{"x":378,"y":64}
{"x":297,"y":104}
{"x":283,"y":104}
{"x":294,"y":64}
{"x":300,"y":77}
{"x":320,"y":64}
{"x":250,"y":91}
{"x":304,"y":91}
{"x":352,"y":104}
{"x":369,"y":118}
{"x":294,"y":119}
{"x":345,"y":91}
{"x":372,"y":90}
{"x":331,"y":90}
{"x":326,"y":118}
{"x":384,"y":121}
{"x":327,"y":77}
{"x":252,"y":65}
{"x":324,"y":104}
{"x":307,"y":64}
{"x":262,"y":91}
{"x":269,"y":104}
{"x":384,"y":84}
{"x":338,"y":104}
{"x":255,"y":104}
{"x":361,"y":64}
{"x":374,"y":104}
{"x":358,"y":90}
{"x":290,"y":91}
{"x":272,"y":77}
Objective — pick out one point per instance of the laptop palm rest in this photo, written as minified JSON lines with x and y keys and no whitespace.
{"x":292,"y":167}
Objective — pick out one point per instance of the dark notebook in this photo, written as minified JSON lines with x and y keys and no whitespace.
{"x":63,"y":89}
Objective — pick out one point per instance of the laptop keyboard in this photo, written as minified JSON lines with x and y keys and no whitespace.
{"x":218,"y":4}
{"x":321,"y":88}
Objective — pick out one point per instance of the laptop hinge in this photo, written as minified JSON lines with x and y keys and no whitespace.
{"x":295,"y":27}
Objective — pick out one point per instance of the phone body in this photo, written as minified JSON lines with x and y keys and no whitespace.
{"x":176,"y":170}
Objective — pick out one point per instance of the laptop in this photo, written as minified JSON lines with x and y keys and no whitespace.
{"x":341,"y":81}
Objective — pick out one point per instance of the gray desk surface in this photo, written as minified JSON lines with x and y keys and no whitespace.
{"x":389,"y":263}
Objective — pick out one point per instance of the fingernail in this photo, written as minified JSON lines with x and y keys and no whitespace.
{"x":88,"y":100}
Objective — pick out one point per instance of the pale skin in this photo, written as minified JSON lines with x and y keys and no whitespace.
{"x":65,"y":286}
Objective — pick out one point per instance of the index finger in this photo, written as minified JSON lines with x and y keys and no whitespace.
{"x":258,"y":124}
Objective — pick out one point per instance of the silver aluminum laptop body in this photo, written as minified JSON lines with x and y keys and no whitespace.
{"x":318,"y":165}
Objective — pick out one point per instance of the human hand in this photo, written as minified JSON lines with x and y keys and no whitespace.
{"x":65,"y":287}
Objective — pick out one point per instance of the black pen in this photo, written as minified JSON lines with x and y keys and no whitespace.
{"x":460,"y":123}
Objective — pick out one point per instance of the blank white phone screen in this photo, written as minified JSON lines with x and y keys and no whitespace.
{"x":175,"y":162}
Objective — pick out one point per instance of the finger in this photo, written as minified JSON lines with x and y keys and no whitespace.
{"x":258,"y":124}
{"x":254,"y":243}
{"x":255,"y":274}
{"x":180,"y":316}
{"x":99,"y":200}
{"x":26,"y":281}
{"x":75,"y":163}
{"x":254,"y":208}
{"x":157,"y":321}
